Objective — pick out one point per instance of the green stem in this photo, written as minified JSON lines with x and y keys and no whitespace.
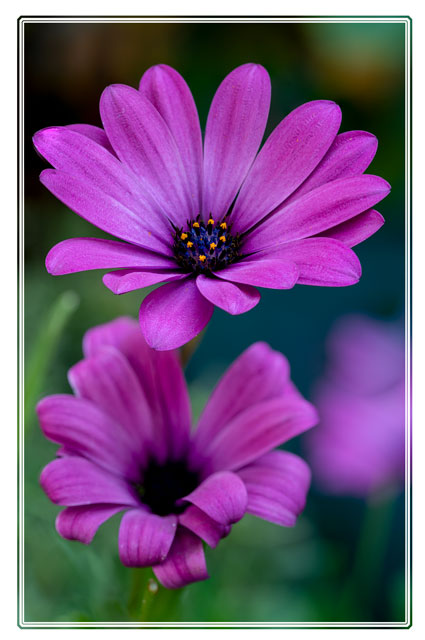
{"x":149,"y":601}
{"x":362,"y":583}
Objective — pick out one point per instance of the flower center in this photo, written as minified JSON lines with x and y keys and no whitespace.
{"x":205,"y":247}
{"x":164,"y":485}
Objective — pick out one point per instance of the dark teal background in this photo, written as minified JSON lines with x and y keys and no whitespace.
{"x":261,"y":572}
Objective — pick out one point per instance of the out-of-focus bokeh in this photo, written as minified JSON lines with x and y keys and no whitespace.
{"x":321,"y":570}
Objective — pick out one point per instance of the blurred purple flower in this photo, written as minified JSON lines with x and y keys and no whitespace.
{"x":214,"y":221}
{"x":358,"y":446}
{"x":126,"y":445}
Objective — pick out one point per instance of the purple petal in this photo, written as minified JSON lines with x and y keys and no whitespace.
{"x":349,"y":155}
{"x":161,"y":377}
{"x":289,"y":155}
{"x":205,"y":527}
{"x":235,"y":127}
{"x":94,"y":133}
{"x":185,"y":562}
{"x":82,"y":427}
{"x":96,"y":185}
{"x":81,"y":523}
{"x":108,"y":381}
{"x":107,"y":213}
{"x":170,"y":95}
{"x":257,"y":430}
{"x":73,"y":481}
{"x":84,"y":254}
{"x":357,"y":229}
{"x":128,"y":280}
{"x":230,"y":297}
{"x":320,"y":209}
{"x":143,"y":141}
{"x":144,"y":538}
{"x":174,"y":314}
{"x":277,"y":485}
{"x":222,"y":496}
{"x":359,"y":447}
{"x":323,"y":262}
{"x":367,"y":356}
{"x":258,"y":374}
{"x":122,"y":333}
{"x":271,"y":273}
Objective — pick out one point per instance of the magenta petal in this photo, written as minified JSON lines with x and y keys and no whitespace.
{"x":205,"y":527}
{"x":318,"y":210}
{"x":81,"y":523}
{"x":144,"y":538}
{"x":100,"y":188}
{"x":277,"y":485}
{"x":73,"y":481}
{"x":366,"y":355}
{"x":257,"y":430}
{"x":357,"y":229}
{"x":122,"y":333}
{"x":271,"y":273}
{"x":185,"y":562}
{"x":161,"y":377}
{"x":128,"y":280}
{"x":165,"y":88}
{"x":349,"y":155}
{"x":233,"y":298}
{"x":222,"y":496}
{"x":257,"y":375}
{"x":84,"y":254}
{"x":94,"y":133}
{"x":235,"y":127}
{"x":322,"y":261}
{"x":174,"y":314}
{"x":144,"y":142}
{"x":80,"y":426}
{"x":108,"y":381}
{"x":137,"y":226}
{"x":289,"y":155}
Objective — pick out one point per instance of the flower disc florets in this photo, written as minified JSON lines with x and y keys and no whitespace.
{"x":204,"y":247}
{"x":163,"y":486}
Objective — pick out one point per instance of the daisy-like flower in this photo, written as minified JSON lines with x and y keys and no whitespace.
{"x":126,"y":445}
{"x":215,"y":220}
{"x":358,"y":446}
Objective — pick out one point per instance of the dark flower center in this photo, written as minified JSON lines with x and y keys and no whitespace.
{"x":164,"y":485}
{"x":204,"y":247}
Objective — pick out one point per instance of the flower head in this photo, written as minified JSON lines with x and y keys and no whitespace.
{"x":212,"y":220}
{"x":126,"y":445}
{"x":358,"y":446}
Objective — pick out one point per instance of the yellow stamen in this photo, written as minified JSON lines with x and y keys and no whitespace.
{"x":223,"y":225}
{"x":210,"y":221}
{"x":189,"y":245}
{"x":213,"y":245}
{"x":202,"y":258}
{"x":196,"y":225}
{"x":222,"y":238}
{"x":183,"y":236}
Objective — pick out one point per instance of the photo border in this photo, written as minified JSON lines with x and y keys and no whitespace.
{"x":407,"y":21}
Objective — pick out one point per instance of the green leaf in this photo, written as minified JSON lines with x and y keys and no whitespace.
{"x":45,"y":347}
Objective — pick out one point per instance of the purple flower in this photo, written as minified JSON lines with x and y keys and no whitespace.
{"x":126,"y":445}
{"x":215,"y":220}
{"x":358,"y":446}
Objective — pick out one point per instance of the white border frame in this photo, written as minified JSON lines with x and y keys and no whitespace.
{"x":21,"y":276}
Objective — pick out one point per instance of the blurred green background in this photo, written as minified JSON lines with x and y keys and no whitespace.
{"x":261,"y":572}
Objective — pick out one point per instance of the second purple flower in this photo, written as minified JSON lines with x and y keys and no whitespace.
{"x":212,"y":221}
{"x":127,"y":446}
